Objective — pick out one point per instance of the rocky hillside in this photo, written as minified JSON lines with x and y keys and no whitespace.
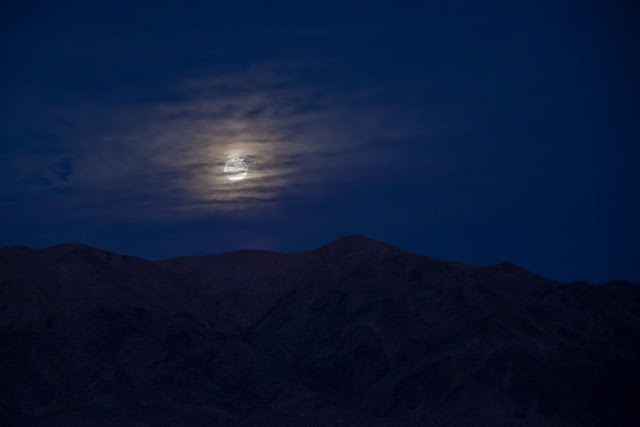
{"x":356,"y":332}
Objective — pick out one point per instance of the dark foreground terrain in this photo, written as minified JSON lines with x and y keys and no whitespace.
{"x":353,"y":333}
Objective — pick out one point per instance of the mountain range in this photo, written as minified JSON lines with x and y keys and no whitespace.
{"x":356,"y":332}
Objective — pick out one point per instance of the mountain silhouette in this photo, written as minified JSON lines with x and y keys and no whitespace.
{"x":356,"y":332}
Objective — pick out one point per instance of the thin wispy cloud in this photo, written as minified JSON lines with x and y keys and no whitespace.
{"x":168,"y":158}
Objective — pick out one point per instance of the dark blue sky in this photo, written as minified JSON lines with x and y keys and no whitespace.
{"x":473,"y":131}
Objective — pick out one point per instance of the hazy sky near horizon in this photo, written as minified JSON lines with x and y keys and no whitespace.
{"x":478,"y":132}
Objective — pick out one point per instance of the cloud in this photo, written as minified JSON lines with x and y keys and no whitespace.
{"x":166,"y":159}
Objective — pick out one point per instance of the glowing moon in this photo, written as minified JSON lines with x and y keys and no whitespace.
{"x":236,"y":169}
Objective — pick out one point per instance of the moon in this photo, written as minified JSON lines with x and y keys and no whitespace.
{"x":236,"y":169}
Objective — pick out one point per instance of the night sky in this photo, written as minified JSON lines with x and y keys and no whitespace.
{"x":479,"y":132}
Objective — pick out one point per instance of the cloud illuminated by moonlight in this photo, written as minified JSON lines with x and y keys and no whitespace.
{"x":167,"y":158}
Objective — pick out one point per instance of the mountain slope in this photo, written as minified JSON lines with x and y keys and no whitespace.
{"x":355,"y":332}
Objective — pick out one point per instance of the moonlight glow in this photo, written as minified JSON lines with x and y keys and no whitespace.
{"x":236,"y":169}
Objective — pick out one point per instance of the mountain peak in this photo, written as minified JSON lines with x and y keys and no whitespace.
{"x":355,"y":243}
{"x":356,"y":239}
{"x":358,"y":242}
